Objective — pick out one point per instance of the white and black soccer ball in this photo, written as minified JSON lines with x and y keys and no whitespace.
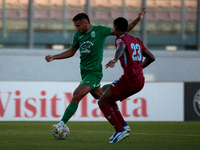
{"x":63,"y":133}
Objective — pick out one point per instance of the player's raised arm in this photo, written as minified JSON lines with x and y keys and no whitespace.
{"x":66,"y":54}
{"x":138,"y":19}
{"x":135,"y":22}
{"x":149,"y":58}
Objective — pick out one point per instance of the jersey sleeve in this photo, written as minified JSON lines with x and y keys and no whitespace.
{"x":75,"y":43}
{"x":119,"y":40}
{"x":105,"y":31}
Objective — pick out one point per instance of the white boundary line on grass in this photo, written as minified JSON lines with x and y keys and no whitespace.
{"x":145,"y":133}
{"x":168,"y":134}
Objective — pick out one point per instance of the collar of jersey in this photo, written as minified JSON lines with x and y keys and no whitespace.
{"x":88,"y":30}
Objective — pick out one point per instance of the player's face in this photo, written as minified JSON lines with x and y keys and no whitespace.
{"x":116,"y":30}
{"x":81,"y":26}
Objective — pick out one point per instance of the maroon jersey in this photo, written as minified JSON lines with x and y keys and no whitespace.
{"x":131,"y":60}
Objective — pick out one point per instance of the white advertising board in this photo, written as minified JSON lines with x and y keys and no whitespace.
{"x":46,"y":101}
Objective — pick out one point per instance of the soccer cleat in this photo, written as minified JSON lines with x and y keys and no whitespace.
{"x":120,"y":136}
{"x":61,"y":125}
{"x":112,"y":137}
{"x":126,"y":127}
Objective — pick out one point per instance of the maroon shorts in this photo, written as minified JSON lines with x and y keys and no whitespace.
{"x":123,"y":87}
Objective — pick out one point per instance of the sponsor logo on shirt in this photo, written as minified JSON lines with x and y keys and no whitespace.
{"x":118,"y":41}
{"x":86,"y":47}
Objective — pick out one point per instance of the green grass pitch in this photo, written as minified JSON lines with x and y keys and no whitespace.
{"x":94,"y":136}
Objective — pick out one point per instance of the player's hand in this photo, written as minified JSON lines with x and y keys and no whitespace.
{"x":110,"y":64}
{"x":142,"y":12}
{"x":49,"y":58}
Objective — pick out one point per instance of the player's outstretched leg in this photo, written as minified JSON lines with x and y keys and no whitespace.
{"x":119,"y":117}
{"x":70,"y":110}
{"x":109,"y":114}
{"x":117,"y":112}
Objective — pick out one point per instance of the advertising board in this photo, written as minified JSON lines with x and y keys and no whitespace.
{"x":46,"y":101}
{"x":192,"y":101}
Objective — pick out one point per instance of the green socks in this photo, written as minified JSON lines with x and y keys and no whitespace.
{"x":69,"y":112}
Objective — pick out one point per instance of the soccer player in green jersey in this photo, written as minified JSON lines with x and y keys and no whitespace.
{"x":90,"y":41}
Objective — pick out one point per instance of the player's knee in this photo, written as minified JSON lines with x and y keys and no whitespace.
{"x":96,"y":96}
{"x":105,"y":87}
{"x":77,"y":98}
{"x":113,"y":104}
{"x":96,"y":93}
{"x":100,"y":102}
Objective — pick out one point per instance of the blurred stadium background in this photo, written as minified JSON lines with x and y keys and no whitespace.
{"x":46,"y":24}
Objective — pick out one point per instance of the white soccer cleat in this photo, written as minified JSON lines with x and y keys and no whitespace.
{"x":61,"y":124}
{"x":112,"y":137}
{"x":119,"y":136}
{"x":126,"y":127}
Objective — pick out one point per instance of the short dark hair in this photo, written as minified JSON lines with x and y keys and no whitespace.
{"x":81,"y":16}
{"x":122,"y":24}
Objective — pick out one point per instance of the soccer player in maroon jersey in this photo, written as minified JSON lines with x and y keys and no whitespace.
{"x":130,"y":52}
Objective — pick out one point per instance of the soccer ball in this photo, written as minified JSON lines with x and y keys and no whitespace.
{"x":62,"y":132}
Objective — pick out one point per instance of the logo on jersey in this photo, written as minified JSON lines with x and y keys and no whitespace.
{"x":118,"y":41}
{"x":93,"y":34}
{"x":196,"y":102}
{"x":96,"y":85}
{"x":113,"y":84}
{"x":80,"y":37}
{"x":86,"y":47}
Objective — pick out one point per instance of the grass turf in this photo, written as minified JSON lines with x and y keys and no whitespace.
{"x":95,"y":135}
